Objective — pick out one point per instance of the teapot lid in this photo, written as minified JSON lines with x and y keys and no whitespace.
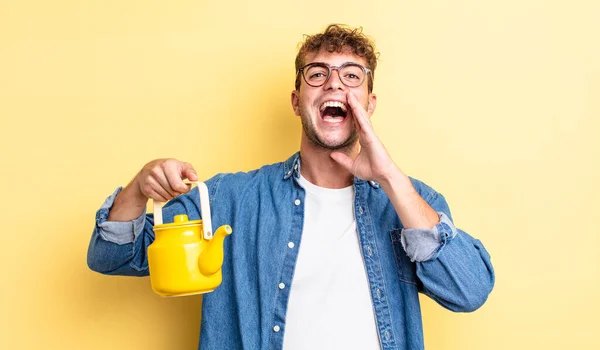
{"x":180,"y":220}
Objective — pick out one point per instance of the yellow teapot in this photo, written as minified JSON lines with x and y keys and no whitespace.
{"x":185,"y":258}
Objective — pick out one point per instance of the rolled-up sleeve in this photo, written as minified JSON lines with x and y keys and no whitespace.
{"x":426,"y":244}
{"x":119,"y":248}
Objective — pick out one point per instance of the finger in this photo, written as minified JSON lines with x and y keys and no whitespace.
{"x":343,"y":160}
{"x":175,"y":178}
{"x":188,"y":172}
{"x":158,"y":189}
{"x":157,"y":197}
{"x":357,"y":124}
{"x":360,"y":114}
{"x":158,"y":174}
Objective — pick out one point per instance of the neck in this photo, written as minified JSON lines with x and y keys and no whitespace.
{"x":321,"y":170}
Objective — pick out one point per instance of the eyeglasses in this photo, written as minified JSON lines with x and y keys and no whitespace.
{"x":318,"y":73}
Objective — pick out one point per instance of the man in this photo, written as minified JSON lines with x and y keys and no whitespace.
{"x":329,"y":248}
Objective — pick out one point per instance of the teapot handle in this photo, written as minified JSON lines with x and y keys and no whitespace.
{"x":204,"y":209}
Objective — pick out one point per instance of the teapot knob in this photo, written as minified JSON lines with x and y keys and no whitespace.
{"x":180,"y":219}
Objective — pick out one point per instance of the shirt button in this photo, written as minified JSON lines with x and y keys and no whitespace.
{"x":281,"y":285}
{"x":369,"y":251}
{"x":387,"y":335}
{"x":276,"y":328}
{"x":379,"y":293}
{"x":297,"y":202}
{"x":291,"y":245}
{"x":295,"y":166}
{"x":360,"y":210}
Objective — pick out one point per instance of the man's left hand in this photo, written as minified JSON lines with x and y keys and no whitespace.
{"x":373,"y":162}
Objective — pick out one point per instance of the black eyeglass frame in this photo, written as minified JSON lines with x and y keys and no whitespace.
{"x":330,"y":68}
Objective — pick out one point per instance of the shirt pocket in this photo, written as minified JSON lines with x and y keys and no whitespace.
{"x":407,"y":271}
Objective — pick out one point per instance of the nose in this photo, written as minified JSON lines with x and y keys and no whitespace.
{"x":334,"y":82}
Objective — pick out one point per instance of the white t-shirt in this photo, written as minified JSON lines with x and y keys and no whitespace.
{"x":330,"y":304}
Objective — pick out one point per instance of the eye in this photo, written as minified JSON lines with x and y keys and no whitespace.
{"x":353,"y":73}
{"x":316,"y":72}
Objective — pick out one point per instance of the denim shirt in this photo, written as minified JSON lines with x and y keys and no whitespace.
{"x":265,"y":208}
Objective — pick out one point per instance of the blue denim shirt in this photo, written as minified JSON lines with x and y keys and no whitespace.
{"x":266,"y":211}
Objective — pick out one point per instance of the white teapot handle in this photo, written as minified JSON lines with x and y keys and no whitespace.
{"x":204,"y":209}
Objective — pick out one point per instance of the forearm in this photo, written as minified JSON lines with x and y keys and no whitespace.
{"x":129,"y":204}
{"x":412,"y":209}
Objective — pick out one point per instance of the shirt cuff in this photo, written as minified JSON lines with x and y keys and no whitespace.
{"x":426,"y":244}
{"x":116,"y":231}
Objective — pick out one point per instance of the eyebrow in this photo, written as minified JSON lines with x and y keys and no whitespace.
{"x":327,"y":64}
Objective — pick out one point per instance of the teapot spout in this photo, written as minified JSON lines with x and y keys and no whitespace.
{"x":211,"y":257}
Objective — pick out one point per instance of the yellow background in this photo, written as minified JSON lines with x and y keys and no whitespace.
{"x":494,"y":104}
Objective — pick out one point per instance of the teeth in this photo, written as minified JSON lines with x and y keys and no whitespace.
{"x":333,"y":104}
{"x":334,"y":120}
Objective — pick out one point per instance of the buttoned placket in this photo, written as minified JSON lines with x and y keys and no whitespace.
{"x":366,"y":235}
{"x":290,"y":255}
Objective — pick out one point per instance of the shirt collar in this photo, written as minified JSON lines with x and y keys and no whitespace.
{"x":292,"y":167}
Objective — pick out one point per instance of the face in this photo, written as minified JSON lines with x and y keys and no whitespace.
{"x":327,"y":119}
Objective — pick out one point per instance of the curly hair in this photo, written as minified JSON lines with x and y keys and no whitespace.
{"x":337,"y":38}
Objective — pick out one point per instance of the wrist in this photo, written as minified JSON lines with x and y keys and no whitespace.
{"x":396,"y":181}
{"x":129,"y":204}
{"x":134,"y":192}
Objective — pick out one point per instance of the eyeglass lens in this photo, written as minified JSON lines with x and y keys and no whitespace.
{"x":351,"y":74}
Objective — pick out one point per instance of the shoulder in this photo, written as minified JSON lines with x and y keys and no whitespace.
{"x":241,"y":180}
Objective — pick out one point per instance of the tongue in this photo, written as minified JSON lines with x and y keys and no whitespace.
{"x":333,"y":111}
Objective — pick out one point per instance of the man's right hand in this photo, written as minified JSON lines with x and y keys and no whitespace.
{"x":161,"y":180}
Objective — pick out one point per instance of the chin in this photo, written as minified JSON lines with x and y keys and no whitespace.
{"x":336,"y":145}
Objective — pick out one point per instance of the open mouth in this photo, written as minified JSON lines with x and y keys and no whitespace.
{"x":333,"y":111}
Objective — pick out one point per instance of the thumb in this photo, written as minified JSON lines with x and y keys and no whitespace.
{"x":343,"y":160}
{"x":188,"y":172}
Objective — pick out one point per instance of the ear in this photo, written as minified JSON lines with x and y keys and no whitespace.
{"x":296,"y":102}
{"x":372,"y":104}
